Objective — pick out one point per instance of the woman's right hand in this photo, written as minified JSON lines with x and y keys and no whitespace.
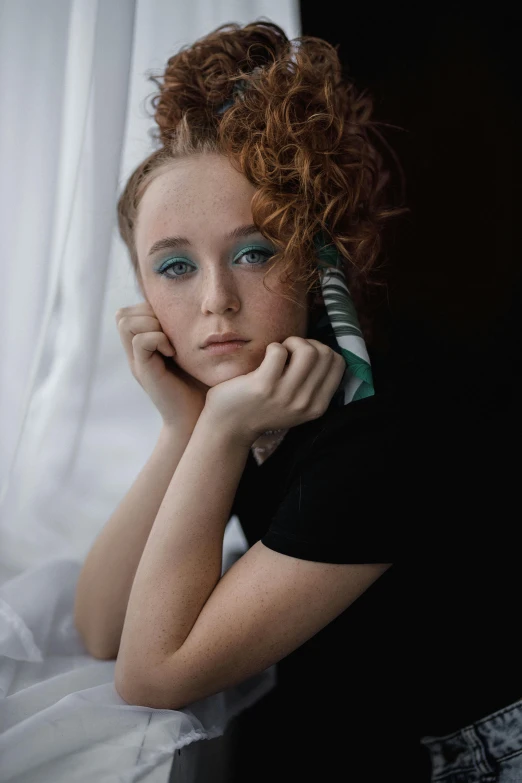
{"x":175,"y":394}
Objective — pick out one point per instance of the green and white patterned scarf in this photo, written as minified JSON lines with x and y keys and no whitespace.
{"x":340,"y":329}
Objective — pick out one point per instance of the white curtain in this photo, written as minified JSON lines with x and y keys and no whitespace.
{"x":75,"y":427}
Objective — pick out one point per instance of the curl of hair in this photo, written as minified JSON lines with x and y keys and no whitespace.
{"x":299,"y":132}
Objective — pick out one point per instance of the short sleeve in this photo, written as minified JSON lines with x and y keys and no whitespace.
{"x":342,"y":506}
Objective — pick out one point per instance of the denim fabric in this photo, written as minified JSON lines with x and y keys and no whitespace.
{"x":487,"y":751}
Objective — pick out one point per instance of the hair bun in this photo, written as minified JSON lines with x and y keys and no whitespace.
{"x":300,"y":133}
{"x":201,"y":77}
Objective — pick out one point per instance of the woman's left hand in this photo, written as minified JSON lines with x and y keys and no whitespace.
{"x":276,"y":395}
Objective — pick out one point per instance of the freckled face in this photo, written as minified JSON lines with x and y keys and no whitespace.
{"x":211,"y":280}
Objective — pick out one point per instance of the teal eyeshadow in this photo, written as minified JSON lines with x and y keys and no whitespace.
{"x":169,"y":261}
{"x":239,"y":251}
{"x":246,"y":248}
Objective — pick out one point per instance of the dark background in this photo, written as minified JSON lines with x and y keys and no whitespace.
{"x":450,"y":78}
{"x":448,"y":321}
{"x":449,"y":318}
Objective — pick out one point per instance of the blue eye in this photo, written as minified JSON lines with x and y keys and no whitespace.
{"x":255,"y":255}
{"x":163,"y":270}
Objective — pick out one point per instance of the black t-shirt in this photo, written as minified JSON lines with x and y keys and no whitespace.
{"x":420,"y":475}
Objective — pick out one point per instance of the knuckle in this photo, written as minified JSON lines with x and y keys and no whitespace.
{"x":317,"y":344}
{"x":308,"y":350}
{"x":297,"y":343}
{"x":325,"y":351}
{"x":322,"y":348}
{"x":300,"y":406}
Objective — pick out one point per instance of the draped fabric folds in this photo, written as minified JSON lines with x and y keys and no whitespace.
{"x":75,"y":427}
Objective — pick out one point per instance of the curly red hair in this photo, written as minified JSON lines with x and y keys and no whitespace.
{"x":297,"y":130}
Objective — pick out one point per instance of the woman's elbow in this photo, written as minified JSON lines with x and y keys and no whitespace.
{"x":100,"y":651}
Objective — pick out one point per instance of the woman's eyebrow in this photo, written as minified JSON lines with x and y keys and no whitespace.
{"x":243,"y":231}
{"x":172,"y":243}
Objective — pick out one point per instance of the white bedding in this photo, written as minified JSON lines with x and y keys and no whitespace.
{"x":61,"y":719}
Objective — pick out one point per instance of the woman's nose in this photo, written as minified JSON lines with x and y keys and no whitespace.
{"x":220,"y":293}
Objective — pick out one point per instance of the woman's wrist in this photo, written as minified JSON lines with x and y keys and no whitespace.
{"x":177,"y":431}
{"x":211,"y":427}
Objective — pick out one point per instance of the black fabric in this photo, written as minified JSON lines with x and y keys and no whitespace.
{"x":423,"y":475}
{"x":329,"y":498}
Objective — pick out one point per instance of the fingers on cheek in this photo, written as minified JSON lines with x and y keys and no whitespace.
{"x":310,"y":386}
{"x":333,"y":371}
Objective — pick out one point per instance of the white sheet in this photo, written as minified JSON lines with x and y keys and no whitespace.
{"x":61,"y":718}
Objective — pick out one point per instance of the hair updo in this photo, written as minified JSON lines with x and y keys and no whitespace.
{"x":299,"y":132}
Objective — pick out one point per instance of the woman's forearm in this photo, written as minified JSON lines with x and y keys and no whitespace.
{"x":106,"y":578}
{"x":181,"y":562}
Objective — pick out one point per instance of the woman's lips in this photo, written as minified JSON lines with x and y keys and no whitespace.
{"x":228,"y":347}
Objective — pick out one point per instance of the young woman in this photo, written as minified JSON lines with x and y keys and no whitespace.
{"x":253,"y":230}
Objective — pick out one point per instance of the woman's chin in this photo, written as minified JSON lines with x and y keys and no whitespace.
{"x":225,"y":372}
